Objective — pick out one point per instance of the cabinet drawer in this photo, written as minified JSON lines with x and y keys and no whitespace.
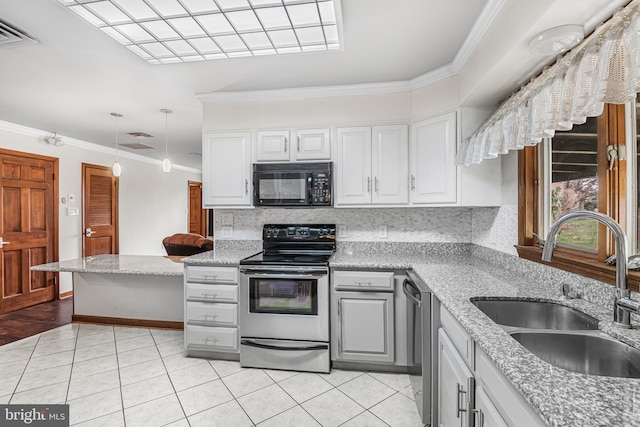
{"x":212,"y":293}
{"x":363,"y":280}
{"x":205,"y":274}
{"x":213,"y":314}
{"x":460,"y":338}
{"x":211,"y":338}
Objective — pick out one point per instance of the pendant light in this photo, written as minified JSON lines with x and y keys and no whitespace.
{"x":166,"y":162}
{"x":116,"y":169}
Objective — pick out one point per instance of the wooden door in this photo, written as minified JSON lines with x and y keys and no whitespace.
{"x":197,"y":215}
{"x":100,"y":211}
{"x":29,"y":228}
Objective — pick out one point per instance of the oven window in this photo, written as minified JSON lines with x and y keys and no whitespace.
{"x":283,"y":296}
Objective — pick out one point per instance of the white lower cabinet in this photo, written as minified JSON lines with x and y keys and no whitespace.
{"x":472,"y":392}
{"x":211,"y":309}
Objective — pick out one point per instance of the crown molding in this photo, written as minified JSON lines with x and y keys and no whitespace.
{"x":304,"y":92}
{"x":432,"y":77}
{"x":78,"y":143}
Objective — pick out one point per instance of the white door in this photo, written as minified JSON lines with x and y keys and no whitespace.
{"x":353,"y":166}
{"x":432,"y":167}
{"x":313,"y":144}
{"x":272,"y":145}
{"x":226,"y":169}
{"x":366,"y":328}
{"x":455,"y":385}
{"x":390,"y":164}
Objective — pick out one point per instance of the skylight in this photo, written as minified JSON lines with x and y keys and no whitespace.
{"x":169,"y":31}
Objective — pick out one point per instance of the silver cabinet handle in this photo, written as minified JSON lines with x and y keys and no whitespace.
{"x":413,"y":183}
{"x":375,"y":184}
{"x":246,"y":186}
{"x":89,"y":232}
{"x":461,"y":392}
{"x":369,"y":185}
{"x":298,"y":144}
{"x":285,"y":144}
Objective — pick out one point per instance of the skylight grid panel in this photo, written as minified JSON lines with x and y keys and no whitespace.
{"x":140,"y":52}
{"x":67,"y":2}
{"x":135,"y":32}
{"x":216,"y":56}
{"x":201,"y":6}
{"x":116,"y":35}
{"x":263,"y":52}
{"x":262,"y":3}
{"x":314,"y":48}
{"x":331,"y":33}
{"x":161,"y":30}
{"x":168,"y":8}
{"x":239,"y":54}
{"x":233,"y":4}
{"x":188,"y":27}
{"x":157,"y":50}
{"x":205,"y":45}
{"x":304,"y":14}
{"x":257,"y":40}
{"x":273,"y":18}
{"x":230,"y":43}
{"x":181,"y":47}
{"x":215,"y":24}
{"x":88,"y":15}
{"x":310,"y":35}
{"x":244,"y":20}
{"x":283,"y":38}
{"x":327,"y":12}
{"x":108,"y":12}
{"x":170,"y":60}
{"x":192,"y":58}
{"x":292,"y":49}
{"x":137,"y":9}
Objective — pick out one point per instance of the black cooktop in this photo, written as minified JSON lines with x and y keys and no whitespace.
{"x":286,"y":259}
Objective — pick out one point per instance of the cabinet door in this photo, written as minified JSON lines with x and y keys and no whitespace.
{"x":272,"y":146}
{"x":353,"y":166}
{"x":226,"y":169}
{"x":365,"y":327}
{"x":433,"y":170}
{"x":313,"y":144}
{"x":487,"y":414}
{"x":455,"y":385}
{"x":390,"y":164}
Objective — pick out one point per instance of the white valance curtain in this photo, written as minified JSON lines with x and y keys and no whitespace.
{"x":604,"y":68}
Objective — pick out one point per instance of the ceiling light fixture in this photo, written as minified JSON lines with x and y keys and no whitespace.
{"x":116,"y":169}
{"x":166,"y":162}
{"x":168,"y":31}
{"x":557,"y":40}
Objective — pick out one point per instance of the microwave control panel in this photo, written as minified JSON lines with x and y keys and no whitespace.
{"x":321,"y":189}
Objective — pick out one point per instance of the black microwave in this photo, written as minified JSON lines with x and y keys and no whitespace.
{"x":292,"y":184}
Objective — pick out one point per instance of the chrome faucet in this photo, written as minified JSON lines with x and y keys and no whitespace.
{"x":623,"y":305}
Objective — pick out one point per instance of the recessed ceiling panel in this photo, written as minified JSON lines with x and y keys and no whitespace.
{"x":238,"y":27}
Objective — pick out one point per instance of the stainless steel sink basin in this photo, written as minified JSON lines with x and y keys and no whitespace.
{"x":536,"y":315}
{"x":587,"y":354}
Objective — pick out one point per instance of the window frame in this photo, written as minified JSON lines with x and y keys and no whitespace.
{"x":616,"y":191}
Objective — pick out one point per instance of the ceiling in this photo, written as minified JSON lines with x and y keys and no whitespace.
{"x":75,"y":76}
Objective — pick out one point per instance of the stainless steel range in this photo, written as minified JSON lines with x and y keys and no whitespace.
{"x":284,"y":299}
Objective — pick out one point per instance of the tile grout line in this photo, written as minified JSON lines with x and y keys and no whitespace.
{"x":25,"y":368}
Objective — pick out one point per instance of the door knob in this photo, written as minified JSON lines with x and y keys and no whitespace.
{"x":89,"y":232}
{"x":2,"y":243}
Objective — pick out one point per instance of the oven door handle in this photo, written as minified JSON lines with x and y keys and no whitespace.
{"x":281,"y":275}
{"x":252,"y":343}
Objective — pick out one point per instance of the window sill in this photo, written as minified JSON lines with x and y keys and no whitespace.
{"x":579,"y":265}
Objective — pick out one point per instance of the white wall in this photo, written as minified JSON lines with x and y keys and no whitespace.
{"x":153,"y":205}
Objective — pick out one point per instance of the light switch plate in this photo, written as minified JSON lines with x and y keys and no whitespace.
{"x":226,"y":219}
{"x":382,"y":232}
{"x":342,"y":230}
{"x":73,"y":211}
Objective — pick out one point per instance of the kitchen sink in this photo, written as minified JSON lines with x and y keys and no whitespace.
{"x":536,"y":315}
{"x":586,"y":354}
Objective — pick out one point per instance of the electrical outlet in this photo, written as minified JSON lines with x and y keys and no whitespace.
{"x":73,"y":211}
{"x":382,"y":232}
{"x":342,"y":230}
{"x":226,"y":232}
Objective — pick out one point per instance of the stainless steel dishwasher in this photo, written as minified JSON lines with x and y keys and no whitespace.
{"x":423,"y":320}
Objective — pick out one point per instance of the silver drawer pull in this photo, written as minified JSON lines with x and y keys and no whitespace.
{"x":209,"y":339}
{"x":207,"y":277}
{"x":364,"y":283}
{"x":207,"y":315}
{"x":208,"y":295}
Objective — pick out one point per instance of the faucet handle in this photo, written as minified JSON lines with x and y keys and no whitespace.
{"x":539,"y":241}
{"x":568,"y":293}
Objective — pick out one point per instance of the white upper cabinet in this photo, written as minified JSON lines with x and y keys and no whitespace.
{"x":313,"y":144}
{"x":432,"y":167}
{"x":226,"y":169}
{"x":272,"y":146}
{"x":307,"y":144}
{"x":371,"y":165}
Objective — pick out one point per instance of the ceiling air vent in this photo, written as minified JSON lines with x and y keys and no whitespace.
{"x":137,"y":146}
{"x":11,"y":36}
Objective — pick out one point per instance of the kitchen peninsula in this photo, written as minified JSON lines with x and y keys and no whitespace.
{"x":137,"y":290}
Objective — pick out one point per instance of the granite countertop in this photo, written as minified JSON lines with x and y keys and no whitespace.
{"x":154,"y":265}
{"x":226,"y":253}
{"x":563,"y":398}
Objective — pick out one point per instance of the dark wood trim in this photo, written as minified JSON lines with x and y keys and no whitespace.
{"x":119,"y":321}
{"x":582,"y":265}
{"x":66,"y":294}
{"x":527,"y":195}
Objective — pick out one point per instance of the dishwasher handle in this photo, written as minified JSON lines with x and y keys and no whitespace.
{"x":409,"y":284}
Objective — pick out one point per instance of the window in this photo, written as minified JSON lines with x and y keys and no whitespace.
{"x":581,"y":169}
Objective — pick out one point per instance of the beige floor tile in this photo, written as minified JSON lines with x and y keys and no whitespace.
{"x":398,"y":411}
{"x":305,"y":386}
{"x":146,"y":390}
{"x":94,"y":406}
{"x":332,"y":408}
{"x":228,"y":414}
{"x":294,"y":417}
{"x":192,"y":376}
{"x":366,"y":390}
{"x":203,"y":397}
{"x":247,"y":381}
{"x":266,"y":403}
{"x":158,"y":412}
